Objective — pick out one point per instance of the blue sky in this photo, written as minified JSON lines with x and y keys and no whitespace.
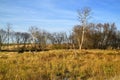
{"x":55,"y":15}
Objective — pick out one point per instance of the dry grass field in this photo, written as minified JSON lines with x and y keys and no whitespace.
{"x":61,"y":65}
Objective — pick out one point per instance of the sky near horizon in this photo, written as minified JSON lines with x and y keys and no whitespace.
{"x":55,"y":15}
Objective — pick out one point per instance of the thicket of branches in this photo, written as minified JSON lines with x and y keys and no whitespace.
{"x":97,"y":36}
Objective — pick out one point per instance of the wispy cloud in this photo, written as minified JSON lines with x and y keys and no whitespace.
{"x":55,"y":14}
{"x":44,"y":14}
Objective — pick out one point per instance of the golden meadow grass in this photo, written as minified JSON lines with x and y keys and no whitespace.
{"x":61,"y":65}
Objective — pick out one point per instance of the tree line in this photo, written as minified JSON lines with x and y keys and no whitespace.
{"x":83,"y":36}
{"x":96,"y":36}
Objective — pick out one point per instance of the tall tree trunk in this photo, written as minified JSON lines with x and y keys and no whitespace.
{"x":83,"y":15}
{"x":82,"y":39}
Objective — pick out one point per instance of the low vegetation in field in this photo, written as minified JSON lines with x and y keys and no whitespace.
{"x":61,"y":65}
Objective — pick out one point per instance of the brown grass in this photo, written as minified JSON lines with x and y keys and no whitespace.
{"x":61,"y":65}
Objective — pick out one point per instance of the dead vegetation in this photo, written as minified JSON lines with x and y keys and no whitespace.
{"x":61,"y":65}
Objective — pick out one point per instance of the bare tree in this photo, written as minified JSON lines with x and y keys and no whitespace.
{"x":25,"y":38}
{"x":8,"y":30}
{"x":77,"y":31}
{"x":59,"y":39}
{"x":39,"y":37}
{"x":33,"y":32}
{"x":3,"y":37}
{"x":18,"y":38}
{"x":83,"y":15}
